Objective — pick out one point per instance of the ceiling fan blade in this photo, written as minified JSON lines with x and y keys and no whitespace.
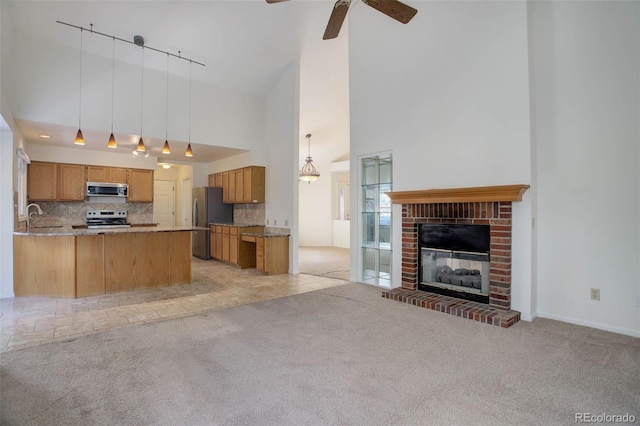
{"x":336,"y":19}
{"x":394,"y":9}
{"x":275,"y":1}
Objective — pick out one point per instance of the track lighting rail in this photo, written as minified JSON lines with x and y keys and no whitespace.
{"x":92,"y":31}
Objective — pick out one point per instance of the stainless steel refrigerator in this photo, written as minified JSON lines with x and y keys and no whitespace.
{"x":207,"y":208}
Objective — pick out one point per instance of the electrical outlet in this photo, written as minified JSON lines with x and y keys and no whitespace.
{"x":275,"y":222}
{"x":70,"y":210}
{"x":267,"y":221}
{"x":286,"y":222}
{"x":595,"y":294}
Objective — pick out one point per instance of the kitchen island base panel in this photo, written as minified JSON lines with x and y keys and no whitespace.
{"x":87,"y":265}
{"x":90,"y":279}
{"x":46,"y":267}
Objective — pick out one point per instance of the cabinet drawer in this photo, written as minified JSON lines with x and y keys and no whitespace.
{"x":248,"y":239}
{"x":259,"y":262}
{"x":259,"y":242}
{"x":225,"y":230}
{"x":218,"y":229}
{"x":234,"y":230}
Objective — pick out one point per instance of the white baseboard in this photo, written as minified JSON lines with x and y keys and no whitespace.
{"x":528,"y":318}
{"x":7,"y":295}
{"x":605,"y":327}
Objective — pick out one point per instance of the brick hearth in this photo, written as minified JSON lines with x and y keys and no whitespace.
{"x":450,"y":305}
{"x":480,"y":206}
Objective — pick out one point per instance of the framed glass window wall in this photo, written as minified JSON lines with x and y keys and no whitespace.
{"x":376,"y":220}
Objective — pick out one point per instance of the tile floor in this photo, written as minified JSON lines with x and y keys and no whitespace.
{"x":32,"y":321}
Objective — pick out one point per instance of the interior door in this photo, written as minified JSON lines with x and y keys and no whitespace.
{"x":164,"y":201}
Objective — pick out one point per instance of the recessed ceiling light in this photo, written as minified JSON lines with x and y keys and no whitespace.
{"x":43,"y":136}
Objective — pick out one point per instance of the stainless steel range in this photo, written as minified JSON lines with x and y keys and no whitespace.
{"x":105,"y":219}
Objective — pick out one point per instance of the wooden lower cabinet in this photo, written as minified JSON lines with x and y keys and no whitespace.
{"x":233,"y":245}
{"x":272,"y":254}
{"x":87,"y":265}
{"x":228,"y":245}
{"x":225,"y":243}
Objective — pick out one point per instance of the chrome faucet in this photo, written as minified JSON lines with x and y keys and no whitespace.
{"x":29,"y":214}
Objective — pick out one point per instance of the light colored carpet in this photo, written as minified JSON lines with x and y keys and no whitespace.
{"x":342,"y":355}
{"x":330,"y":262}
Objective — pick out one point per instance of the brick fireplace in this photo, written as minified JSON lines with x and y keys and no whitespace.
{"x":472,"y":206}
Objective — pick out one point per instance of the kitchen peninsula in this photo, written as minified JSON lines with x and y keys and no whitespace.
{"x":61,"y":262}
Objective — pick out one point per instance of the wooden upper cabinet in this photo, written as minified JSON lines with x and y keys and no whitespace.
{"x":246,"y":185}
{"x":215,"y":180}
{"x":254,"y":184}
{"x":231,"y":198}
{"x":42,"y":181}
{"x":71,"y":182}
{"x":96,"y":174}
{"x":140,"y":185}
{"x":239,"y":186}
{"x":106,"y":174}
{"x":225,"y":187}
{"x":116,"y":175}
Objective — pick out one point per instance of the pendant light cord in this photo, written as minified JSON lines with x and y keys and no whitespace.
{"x":190,"y":101}
{"x":141,"y":89}
{"x":166,"y":119}
{"x":113,"y":79}
{"x":80,"y":95}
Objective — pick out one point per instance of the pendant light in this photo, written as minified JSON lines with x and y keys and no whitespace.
{"x":308,"y":173}
{"x":189,"y":153}
{"x":140,"y":150}
{"x":79,"y":138}
{"x":165,"y":148}
{"x":112,"y":140}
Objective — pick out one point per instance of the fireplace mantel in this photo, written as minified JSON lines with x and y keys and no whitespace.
{"x":460,"y":195}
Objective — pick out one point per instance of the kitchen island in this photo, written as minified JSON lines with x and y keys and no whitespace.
{"x":63,"y":262}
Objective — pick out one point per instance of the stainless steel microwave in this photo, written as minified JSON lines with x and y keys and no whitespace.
{"x":104,"y":189}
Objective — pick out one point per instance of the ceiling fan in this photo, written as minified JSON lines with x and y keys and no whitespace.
{"x":392,"y":8}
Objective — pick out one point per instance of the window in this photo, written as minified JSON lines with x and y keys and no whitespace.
{"x":23,"y":161}
{"x":376,"y":220}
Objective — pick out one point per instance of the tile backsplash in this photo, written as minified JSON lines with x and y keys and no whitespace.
{"x":250,"y":213}
{"x":69,"y":213}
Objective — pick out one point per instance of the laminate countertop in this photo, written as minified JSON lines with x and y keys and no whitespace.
{"x":68,"y":231}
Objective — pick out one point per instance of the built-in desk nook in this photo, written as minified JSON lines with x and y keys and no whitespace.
{"x":251,"y":246}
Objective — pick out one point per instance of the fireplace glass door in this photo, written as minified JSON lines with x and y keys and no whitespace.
{"x":465,"y":272}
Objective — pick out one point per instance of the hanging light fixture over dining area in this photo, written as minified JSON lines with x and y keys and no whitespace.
{"x":308,"y":173}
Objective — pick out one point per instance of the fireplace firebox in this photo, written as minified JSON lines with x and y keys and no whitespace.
{"x":454,"y":260}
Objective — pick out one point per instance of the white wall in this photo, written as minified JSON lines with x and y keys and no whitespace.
{"x":586,"y":94}
{"x":281,"y":155}
{"x":324,"y":113}
{"x":448,"y":96}
{"x":7,"y":163}
{"x":6,"y":209}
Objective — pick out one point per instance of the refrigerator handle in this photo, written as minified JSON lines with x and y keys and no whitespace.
{"x":195,"y":212}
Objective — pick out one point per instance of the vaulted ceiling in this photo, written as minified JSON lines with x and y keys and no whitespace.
{"x":245,"y":45}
